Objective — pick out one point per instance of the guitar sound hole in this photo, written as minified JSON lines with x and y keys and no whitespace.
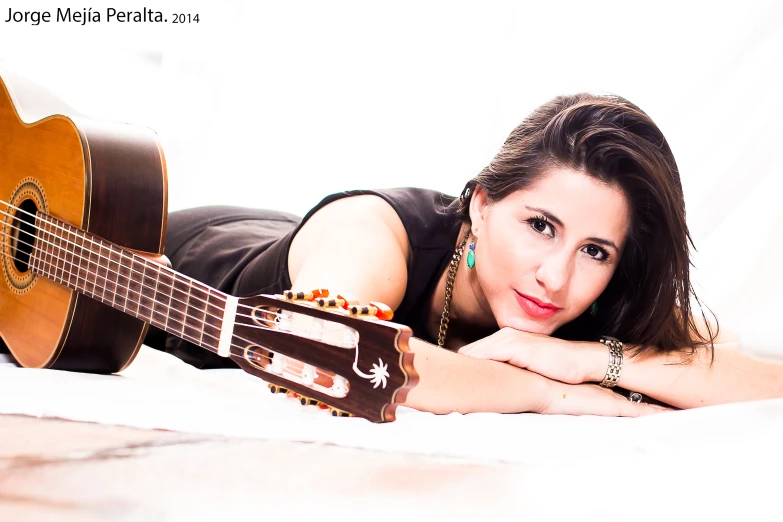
{"x":23,"y":235}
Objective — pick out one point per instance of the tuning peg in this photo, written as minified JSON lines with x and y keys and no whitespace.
{"x":339,"y":413}
{"x":274,"y":388}
{"x":307,"y":401}
{"x":343,"y":301}
{"x":374,"y":309}
{"x":330,"y":302}
{"x":292,"y":295}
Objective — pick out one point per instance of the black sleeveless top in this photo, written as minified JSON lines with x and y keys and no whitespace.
{"x":432,"y":226}
{"x":244,"y":252}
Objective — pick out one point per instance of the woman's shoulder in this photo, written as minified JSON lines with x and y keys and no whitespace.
{"x":426,"y":218}
{"x":356,"y":244}
{"x":381,"y":226}
{"x":401,"y":199}
{"x":366,"y":211}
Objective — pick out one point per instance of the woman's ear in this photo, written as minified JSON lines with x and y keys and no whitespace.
{"x":478,"y":206}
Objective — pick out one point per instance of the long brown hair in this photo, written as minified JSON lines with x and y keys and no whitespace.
{"x":647,"y":301}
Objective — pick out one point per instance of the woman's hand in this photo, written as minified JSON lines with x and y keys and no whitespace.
{"x":591,"y":399}
{"x":566,"y":365}
{"x":564,"y":361}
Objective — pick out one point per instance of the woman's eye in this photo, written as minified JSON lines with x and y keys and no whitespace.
{"x":593,"y":251}
{"x":541,"y":225}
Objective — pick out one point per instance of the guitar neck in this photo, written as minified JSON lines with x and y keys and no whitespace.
{"x":132,"y":284}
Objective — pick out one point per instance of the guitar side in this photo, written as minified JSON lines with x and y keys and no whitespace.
{"x":109,"y":179}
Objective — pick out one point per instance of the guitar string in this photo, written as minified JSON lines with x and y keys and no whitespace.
{"x":159,"y":268}
{"x":109,"y":271}
{"x":176,"y":322}
{"x":56,"y":267}
{"x":75,"y":271}
{"x":140,"y":305}
{"x":133,"y":257}
{"x":97,"y":254}
{"x":182,"y":324}
{"x":241,"y":350}
{"x":116,"y":283}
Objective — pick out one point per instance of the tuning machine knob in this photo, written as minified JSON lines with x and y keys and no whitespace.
{"x":307,"y":401}
{"x":293,"y":295}
{"x":274,"y":388}
{"x":342,"y":301}
{"x":374,"y":309}
{"x":338,"y":412}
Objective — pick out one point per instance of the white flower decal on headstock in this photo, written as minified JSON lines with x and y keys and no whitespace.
{"x":379,"y":374}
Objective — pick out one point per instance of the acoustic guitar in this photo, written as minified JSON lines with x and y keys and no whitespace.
{"x":83,"y":208}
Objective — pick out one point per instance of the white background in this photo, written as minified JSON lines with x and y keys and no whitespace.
{"x":275,"y":105}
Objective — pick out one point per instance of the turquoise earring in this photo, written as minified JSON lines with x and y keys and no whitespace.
{"x":594,"y":309}
{"x":472,"y":255}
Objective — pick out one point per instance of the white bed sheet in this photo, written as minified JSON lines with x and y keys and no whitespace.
{"x":713,"y":463}
{"x":162,"y":392}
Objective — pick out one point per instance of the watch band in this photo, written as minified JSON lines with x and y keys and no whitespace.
{"x":615,"y":367}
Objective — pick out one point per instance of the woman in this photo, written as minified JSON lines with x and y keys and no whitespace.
{"x":563,"y":264}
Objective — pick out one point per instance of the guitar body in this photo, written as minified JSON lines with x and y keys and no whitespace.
{"x":105,"y":178}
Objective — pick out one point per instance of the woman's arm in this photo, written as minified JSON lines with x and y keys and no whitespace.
{"x":358,"y":245}
{"x":450,"y":382}
{"x":672,"y":378}
{"x":689,"y":383}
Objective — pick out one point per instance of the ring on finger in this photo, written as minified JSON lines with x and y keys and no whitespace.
{"x":635,"y":397}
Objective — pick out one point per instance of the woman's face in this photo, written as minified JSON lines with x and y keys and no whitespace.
{"x":558,"y":241}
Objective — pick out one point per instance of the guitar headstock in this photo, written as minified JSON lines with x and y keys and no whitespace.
{"x":329,"y":351}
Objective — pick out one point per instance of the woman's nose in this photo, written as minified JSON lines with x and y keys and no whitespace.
{"x":554,"y":271}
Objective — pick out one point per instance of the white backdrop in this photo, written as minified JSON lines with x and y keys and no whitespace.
{"x":275,"y":105}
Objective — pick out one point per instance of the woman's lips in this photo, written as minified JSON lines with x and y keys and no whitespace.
{"x":534,"y":310}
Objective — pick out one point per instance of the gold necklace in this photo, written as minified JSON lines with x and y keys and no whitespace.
{"x":444,"y":318}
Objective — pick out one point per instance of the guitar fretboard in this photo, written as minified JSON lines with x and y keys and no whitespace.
{"x":128,"y":282}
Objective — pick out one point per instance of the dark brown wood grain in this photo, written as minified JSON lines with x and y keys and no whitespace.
{"x":107,"y":178}
{"x":379,"y":341}
{"x":128,"y":205}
